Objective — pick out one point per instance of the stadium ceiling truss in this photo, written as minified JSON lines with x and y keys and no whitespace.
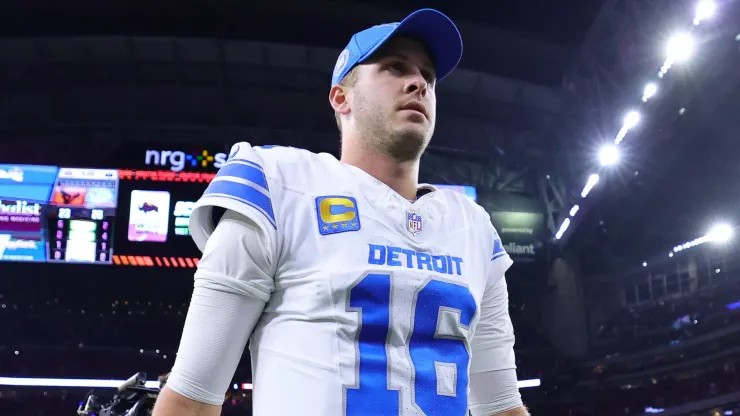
{"x":206,"y":90}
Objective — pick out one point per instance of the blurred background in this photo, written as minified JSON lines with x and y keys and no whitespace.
{"x":603,"y":136}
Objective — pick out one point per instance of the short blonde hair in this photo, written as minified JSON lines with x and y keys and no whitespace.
{"x":349,"y":80}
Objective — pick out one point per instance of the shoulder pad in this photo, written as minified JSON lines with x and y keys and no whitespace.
{"x":240,"y":185}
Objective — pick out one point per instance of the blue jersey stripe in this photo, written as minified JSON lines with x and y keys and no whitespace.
{"x":244,"y":169}
{"x":499,"y":255}
{"x":498,"y":249}
{"x":244,"y":193}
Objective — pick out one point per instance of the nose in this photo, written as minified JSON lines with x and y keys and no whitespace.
{"x":417,"y":84}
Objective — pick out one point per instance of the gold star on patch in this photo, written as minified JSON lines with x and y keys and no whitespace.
{"x":344,"y":225}
{"x":335,"y":226}
{"x":354,"y":224}
{"x":326,"y":228}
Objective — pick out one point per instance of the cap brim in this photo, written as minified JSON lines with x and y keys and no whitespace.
{"x":439,"y":34}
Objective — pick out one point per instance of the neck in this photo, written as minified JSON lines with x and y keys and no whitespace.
{"x":402,"y":177}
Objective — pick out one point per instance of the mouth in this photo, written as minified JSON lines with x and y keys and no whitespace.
{"x":416,"y":106}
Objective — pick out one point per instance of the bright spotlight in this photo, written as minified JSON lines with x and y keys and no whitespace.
{"x":562,"y":229}
{"x":704,"y":10}
{"x":680,"y":47}
{"x":574,"y":210}
{"x":608,"y":155}
{"x":650,"y":90}
{"x":720,"y":233}
{"x":593,"y":179}
{"x":631,"y":119}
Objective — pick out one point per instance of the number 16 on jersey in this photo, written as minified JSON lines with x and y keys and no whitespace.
{"x":439,"y":362}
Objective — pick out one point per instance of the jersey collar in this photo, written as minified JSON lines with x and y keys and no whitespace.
{"x":378,"y":190}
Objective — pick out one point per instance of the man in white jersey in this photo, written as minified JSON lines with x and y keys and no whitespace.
{"x":363,"y":292}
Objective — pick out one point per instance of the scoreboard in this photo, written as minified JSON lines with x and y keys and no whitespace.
{"x":60,"y":215}
{"x":122,"y":217}
{"x":81,"y":215}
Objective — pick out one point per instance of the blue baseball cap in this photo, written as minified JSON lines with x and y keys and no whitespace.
{"x":430,"y":26}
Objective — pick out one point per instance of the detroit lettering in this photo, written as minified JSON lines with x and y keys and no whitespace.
{"x":381,"y":255}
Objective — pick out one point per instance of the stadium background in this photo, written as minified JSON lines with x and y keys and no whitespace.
{"x":624,"y":295}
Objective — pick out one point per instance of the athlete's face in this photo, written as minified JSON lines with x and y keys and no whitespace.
{"x":393,"y":102}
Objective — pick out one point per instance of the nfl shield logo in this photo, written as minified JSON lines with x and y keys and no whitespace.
{"x":413,"y":223}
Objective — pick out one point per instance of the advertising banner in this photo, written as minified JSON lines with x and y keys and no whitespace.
{"x":521,"y":232}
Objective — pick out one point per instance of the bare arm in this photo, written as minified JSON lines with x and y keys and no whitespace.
{"x":519,"y":411}
{"x":170,"y":403}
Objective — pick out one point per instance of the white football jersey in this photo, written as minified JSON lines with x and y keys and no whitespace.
{"x":374,"y":303}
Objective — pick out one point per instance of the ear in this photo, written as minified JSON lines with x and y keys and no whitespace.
{"x":339,"y":100}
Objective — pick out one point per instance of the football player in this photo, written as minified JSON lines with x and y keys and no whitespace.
{"x":363,"y":293}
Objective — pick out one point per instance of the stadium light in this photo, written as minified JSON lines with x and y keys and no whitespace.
{"x":649,"y":92}
{"x":574,"y":210}
{"x":631,"y":120}
{"x":67,"y":382}
{"x":608,"y":155}
{"x":590,"y":183}
{"x":720,"y":233}
{"x":704,"y":10}
{"x":689,"y":244}
{"x":563,"y":227}
{"x":680,"y":47}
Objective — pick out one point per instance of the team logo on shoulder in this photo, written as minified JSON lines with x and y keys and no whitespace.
{"x":337,"y":214}
{"x":413,"y":222}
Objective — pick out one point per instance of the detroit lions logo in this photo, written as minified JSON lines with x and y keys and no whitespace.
{"x":341,"y":62}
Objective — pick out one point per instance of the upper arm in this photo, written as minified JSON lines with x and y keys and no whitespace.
{"x":231,"y":286}
{"x":493,"y":341}
{"x":250,"y":190}
{"x":235,"y":275}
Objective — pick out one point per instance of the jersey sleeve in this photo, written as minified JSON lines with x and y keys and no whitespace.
{"x":235,"y":275}
{"x":229,"y":293}
{"x":245,"y":185}
{"x":493,"y":387}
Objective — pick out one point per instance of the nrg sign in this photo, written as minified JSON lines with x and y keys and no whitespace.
{"x":178,"y":160}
